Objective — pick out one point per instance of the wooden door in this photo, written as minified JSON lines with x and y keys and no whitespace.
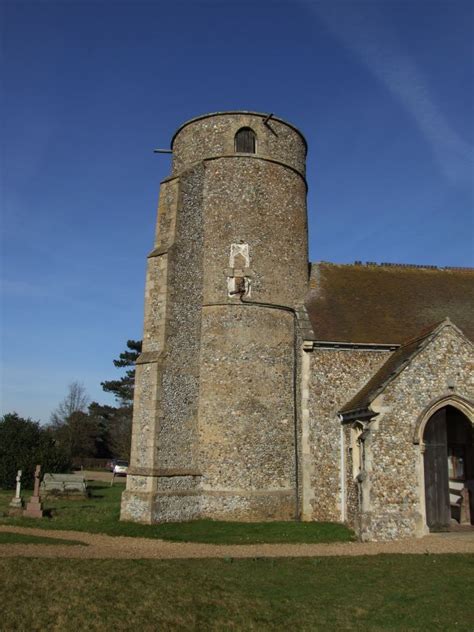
{"x":245,"y":140}
{"x":438,"y":511}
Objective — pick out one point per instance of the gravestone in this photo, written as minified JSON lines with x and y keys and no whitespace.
{"x":465,"y":515}
{"x":17,"y":501}
{"x":34,"y":508}
{"x":64,"y":485}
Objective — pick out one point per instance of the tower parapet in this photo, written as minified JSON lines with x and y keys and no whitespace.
{"x":214,"y":135}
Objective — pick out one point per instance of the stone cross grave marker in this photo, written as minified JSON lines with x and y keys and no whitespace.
{"x":16,"y":500}
{"x":34,"y":508}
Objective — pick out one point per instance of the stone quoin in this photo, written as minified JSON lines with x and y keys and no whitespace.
{"x":269,"y":388}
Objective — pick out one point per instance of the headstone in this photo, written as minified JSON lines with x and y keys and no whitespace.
{"x":64,"y":485}
{"x":16,"y":501}
{"x":34,"y":508}
{"x":465,"y":517}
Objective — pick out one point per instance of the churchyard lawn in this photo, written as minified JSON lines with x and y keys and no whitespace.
{"x":100,"y":514}
{"x":376,"y":592}
{"x":384,"y":592}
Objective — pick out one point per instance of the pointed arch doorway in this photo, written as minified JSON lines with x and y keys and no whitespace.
{"x":448,"y":467}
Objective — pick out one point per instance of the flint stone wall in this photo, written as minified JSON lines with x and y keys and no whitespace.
{"x":394,"y":478}
{"x":336,"y":376}
{"x":177,"y":427}
{"x":215,"y":389}
{"x":164,"y":433}
{"x":247,"y":412}
{"x":213,"y":135}
{"x":261,"y":204}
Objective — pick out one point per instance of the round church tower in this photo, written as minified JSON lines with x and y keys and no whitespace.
{"x":215,"y":416}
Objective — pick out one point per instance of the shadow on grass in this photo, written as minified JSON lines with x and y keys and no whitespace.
{"x":100,"y":513}
{"x":9,"y":537}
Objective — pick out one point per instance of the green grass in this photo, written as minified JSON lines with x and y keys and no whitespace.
{"x":100,"y":514}
{"x":7,"y":537}
{"x":397,"y":592}
{"x":208,"y":531}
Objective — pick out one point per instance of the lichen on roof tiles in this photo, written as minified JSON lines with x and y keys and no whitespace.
{"x":387,"y":303}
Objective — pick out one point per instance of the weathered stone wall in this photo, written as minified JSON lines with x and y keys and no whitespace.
{"x":213,"y":135}
{"x":177,"y":429}
{"x":216,"y":411}
{"x":388,"y":500}
{"x":164,"y":434}
{"x":352,"y":489}
{"x":335,"y":376}
{"x":247,"y":412}
{"x":261,"y":204}
{"x":395,"y":461}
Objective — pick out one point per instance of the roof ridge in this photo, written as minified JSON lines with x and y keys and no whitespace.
{"x":393,"y":366}
{"x":426,"y":331}
{"x":386,"y":264}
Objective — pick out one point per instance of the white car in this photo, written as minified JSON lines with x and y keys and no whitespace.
{"x":120,"y":468}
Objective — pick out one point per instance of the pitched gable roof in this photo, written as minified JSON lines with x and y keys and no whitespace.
{"x":393,"y":366}
{"x":387,"y":303}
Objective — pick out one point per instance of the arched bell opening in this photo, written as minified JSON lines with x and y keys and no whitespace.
{"x":448,"y":460}
{"x":245,"y":141}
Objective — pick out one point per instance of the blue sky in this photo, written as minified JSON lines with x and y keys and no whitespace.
{"x":383,"y":92}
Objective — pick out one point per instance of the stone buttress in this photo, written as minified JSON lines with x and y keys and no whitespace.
{"x":215,"y":412}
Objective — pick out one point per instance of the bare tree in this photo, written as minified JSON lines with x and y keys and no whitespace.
{"x":72,"y":428}
{"x":76,"y":401}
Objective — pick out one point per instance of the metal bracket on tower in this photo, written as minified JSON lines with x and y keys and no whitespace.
{"x":265,"y":122}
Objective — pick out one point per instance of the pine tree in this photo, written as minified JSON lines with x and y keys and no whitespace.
{"x":116,"y":421}
{"x":123,"y":389}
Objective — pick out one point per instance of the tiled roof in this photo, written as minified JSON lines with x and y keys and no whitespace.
{"x":390,"y":369}
{"x":387,"y":303}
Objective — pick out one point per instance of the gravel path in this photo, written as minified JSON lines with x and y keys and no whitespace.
{"x":108,"y":547}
